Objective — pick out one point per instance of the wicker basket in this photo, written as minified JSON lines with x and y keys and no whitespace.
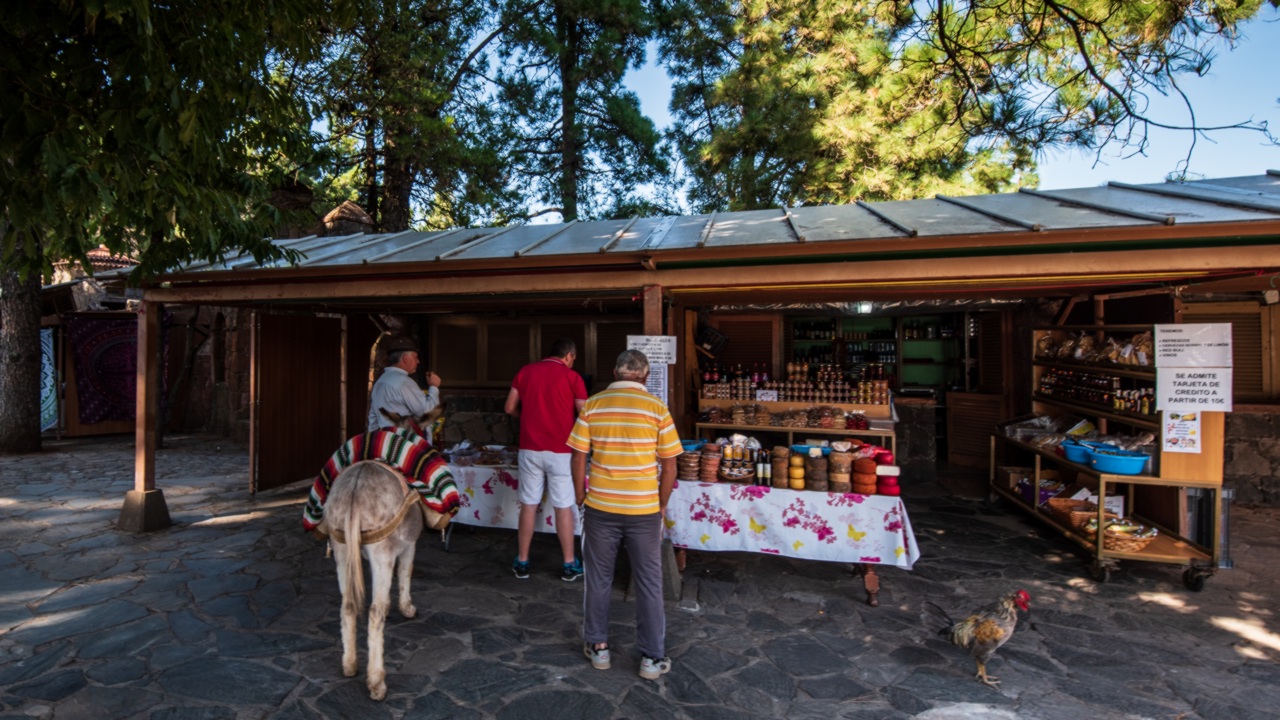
{"x":1074,"y":513}
{"x":1122,"y":542}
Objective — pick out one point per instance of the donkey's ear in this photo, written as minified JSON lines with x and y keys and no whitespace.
{"x":391,"y":415}
{"x":432,"y":414}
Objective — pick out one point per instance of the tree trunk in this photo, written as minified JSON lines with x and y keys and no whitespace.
{"x":570,"y":145}
{"x":397,"y":188}
{"x":19,"y":362}
{"x":371,"y":188}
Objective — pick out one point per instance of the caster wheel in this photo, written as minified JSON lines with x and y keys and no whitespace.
{"x":1101,"y":573}
{"x":1194,"y":579}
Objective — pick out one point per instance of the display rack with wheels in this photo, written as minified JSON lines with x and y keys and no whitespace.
{"x":1110,"y":395}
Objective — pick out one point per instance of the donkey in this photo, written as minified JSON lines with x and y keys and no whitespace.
{"x":370,"y":513}
{"x":370,"y":497}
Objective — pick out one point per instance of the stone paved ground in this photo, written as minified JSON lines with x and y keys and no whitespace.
{"x":233,"y":613}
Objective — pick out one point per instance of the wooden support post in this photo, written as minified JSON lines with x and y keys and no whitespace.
{"x":652,"y":296}
{"x":144,"y":506}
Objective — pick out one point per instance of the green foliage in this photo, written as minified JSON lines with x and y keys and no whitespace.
{"x":411,"y":133}
{"x":155,"y":129}
{"x":820,"y":101}
{"x":583,"y":144}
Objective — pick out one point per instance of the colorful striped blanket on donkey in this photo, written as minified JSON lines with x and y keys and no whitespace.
{"x":423,"y":469}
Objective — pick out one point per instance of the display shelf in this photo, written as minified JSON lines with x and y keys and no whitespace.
{"x":1166,"y":547}
{"x":1149,"y":422}
{"x":1147,"y":373}
{"x":778,"y":406}
{"x":886,"y":435}
{"x":1174,"y":471}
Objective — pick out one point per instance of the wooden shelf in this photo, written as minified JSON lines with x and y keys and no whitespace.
{"x":791,"y":432}
{"x":778,"y":406}
{"x":1151,"y":422}
{"x":1144,"y":499}
{"x":1164,"y":548}
{"x":1117,"y":370}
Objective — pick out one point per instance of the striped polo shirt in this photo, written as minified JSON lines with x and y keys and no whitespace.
{"x":626,"y":430}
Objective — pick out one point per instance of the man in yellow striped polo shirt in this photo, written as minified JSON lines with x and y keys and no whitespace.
{"x":633,"y":446}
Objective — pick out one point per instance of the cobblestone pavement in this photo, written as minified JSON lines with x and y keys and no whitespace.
{"x":233,"y":613}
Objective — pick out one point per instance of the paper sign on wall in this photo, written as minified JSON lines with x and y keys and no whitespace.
{"x":1193,"y":388}
{"x":660,"y":349}
{"x":1193,"y":345}
{"x":657,"y":382}
{"x":1182,"y":432}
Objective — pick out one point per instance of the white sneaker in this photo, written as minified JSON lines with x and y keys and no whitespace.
{"x":654,"y":668}
{"x":599,"y":658}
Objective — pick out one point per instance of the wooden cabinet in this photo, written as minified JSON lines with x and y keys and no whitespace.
{"x":1120,"y":399}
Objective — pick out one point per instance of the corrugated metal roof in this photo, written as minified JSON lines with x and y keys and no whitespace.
{"x":1058,"y":213}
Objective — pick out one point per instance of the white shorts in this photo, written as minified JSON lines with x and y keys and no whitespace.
{"x":545,"y":469}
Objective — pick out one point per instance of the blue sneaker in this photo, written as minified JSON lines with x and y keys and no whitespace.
{"x":572,"y":571}
{"x":520,"y":568}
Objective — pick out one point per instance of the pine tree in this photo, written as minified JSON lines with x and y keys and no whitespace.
{"x":584,"y":146}
{"x":815,"y":101}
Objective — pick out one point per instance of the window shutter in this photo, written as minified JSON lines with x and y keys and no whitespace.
{"x":611,"y":340}
{"x":509,"y":350}
{"x":456,"y":349}
{"x":750,"y":341}
{"x":1250,"y":351}
{"x":990,"y":353}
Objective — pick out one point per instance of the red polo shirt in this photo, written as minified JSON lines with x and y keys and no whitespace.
{"x":547,"y":390}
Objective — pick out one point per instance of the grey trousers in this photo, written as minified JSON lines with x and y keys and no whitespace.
{"x":602,"y":534}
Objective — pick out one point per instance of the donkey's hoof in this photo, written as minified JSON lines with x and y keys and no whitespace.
{"x":378,"y":692}
{"x":408,"y":610}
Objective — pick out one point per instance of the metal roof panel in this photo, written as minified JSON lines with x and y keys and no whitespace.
{"x":750,"y":227}
{"x":1184,"y":209}
{"x":1051,"y":215}
{"x":936,"y":218}
{"x":824,"y":223}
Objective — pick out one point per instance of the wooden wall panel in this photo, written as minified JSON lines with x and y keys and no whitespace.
{"x":358,"y":356}
{"x":298,"y":376}
{"x":971,"y":419}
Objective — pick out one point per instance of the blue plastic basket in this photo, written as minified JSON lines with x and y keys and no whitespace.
{"x":1075,"y":452}
{"x":804,"y":449}
{"x":1118,"y":462}
{"x":692,"y":445}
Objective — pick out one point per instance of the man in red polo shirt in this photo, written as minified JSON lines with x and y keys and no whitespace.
{"x":546,"y":396}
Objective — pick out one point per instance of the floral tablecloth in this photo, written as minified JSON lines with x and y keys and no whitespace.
{"x":795,"y":523}
{"x":489,"y":499}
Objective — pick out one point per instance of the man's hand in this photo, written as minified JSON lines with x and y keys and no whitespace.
{"x":433,"y":379}
{"x":578,"y":471}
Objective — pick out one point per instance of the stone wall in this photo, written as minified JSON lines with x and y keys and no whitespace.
{"x":1252,"y":456}
{"x":917,"y":440}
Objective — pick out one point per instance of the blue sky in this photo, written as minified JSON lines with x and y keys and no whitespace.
{"x":1243,"y":84}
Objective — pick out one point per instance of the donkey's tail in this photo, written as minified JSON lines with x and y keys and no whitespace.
{"x":353,"y":600}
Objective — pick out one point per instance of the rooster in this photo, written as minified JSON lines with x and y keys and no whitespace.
{"x":985,"y":630}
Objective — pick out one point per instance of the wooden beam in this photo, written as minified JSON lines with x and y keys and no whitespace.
{"x":653,"y":310}
{"x":1067,"y":307}
{"x":144,"y":507}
